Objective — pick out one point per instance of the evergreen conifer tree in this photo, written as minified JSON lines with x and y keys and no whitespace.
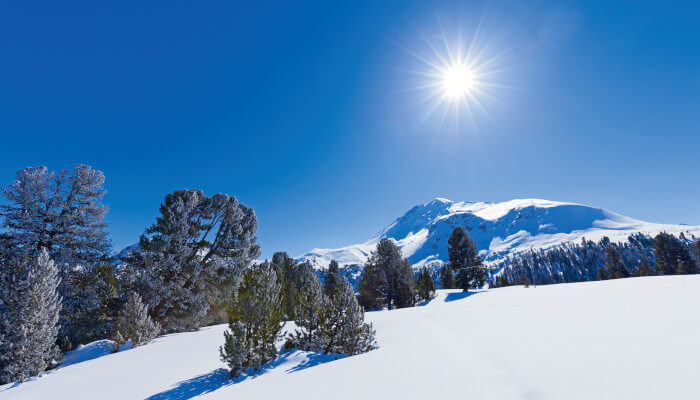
{"x":464,"y":260}
{"x":310,"y":310}
{"x":236,"y":348}
{"x":29,"y":313}
{"x":134,"y":323}
{"x":614,"y":263}
{"x":369,"y":295}
{"x":194,"y":252}
{"x":343,"y":329}
{"x":255,"y":315}
{"x":425,"y":285}
{"x":332,"y":278}
{"x":63,"y":213}
{"x":669,"y":252}
{"x":447,"y":277}
{"x":406,"y":289}
{"x":286,"y":269}
{"x":644,"y":269}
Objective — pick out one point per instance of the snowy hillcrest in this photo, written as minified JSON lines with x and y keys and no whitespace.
{"x":499,"y":229}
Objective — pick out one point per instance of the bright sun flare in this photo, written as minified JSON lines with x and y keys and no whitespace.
{"x":458,"y":76}
{"x":457,"y":81}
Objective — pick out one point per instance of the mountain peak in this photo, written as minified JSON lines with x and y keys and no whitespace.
{"x":499,"y":229}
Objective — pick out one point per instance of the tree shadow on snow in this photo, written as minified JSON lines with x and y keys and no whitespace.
{"x":220,"y":377}
{"x":458,"y":296}
{"x":198,"y":386}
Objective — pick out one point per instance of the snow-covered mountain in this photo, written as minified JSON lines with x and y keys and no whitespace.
{"x":499,"y":229}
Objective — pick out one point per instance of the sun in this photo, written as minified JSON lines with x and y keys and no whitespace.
{"x":459,"y":75}
{"x":457,"y":81}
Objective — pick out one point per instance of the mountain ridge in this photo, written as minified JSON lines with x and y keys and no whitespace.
{"x":499,"y":229}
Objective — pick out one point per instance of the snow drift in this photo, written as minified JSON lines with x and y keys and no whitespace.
{"x":630,"y":338}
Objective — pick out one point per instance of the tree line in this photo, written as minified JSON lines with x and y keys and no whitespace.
{"x":639,"y":255}
{"x":388,"y":279}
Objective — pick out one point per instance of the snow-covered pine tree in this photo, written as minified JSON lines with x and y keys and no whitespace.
{"x":286,"y":266}
{"x":236,"y":348}
{"x":91,"y":302}
{"x":194,"y":252}
{"x":134,"y":323}
{"x":343,"y":328}
{"x":311,"y":306}
{"x":332,"y":277}
{"x":62,"y":212}
{"x":29,"y":312}
{"x":257,"y":306}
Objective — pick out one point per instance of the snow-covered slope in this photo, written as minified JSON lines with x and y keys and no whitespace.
{"x":633,"y":338}
{"x":498,"y":229}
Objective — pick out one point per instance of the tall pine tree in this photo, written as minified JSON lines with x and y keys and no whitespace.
{"x":464,"y":260}
{"x":29,"y":312}
{"x":332,"y":278}
{"x":63,"y":213}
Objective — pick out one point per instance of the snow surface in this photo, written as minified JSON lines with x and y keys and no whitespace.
{"x":633,"y":338}
{"x":499,"y":229}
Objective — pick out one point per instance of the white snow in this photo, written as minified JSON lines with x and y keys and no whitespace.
{"x":633,"y":338}
{"x":498,"y":228}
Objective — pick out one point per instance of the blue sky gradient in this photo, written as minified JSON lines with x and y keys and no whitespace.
{"x":308,"y":112}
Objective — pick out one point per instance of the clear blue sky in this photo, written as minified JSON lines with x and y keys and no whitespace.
{"x":306,"y":110}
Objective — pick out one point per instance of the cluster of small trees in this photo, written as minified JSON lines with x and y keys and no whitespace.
{"x":327,"y":316}
{"x":639,"y":255}
{"x":388,"y":279}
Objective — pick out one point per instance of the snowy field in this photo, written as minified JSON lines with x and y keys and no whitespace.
{"x":636,"y":338}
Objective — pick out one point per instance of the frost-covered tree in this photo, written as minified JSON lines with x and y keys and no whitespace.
{"x":63,"y":213}
{"x":255,"y":315}
{"x":91,"y":303}
{"x":286,"y":271}
{"x":343,"y":329}
{"x":311,"y":308}
{"x":332,"y":277}
{"x":192,"y":255}
{"x":425,"y":285}
{"x":236,"y":348}
{"x":464,"y":260}
{"x":134,"y":323}
{"x":29,"y":312}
